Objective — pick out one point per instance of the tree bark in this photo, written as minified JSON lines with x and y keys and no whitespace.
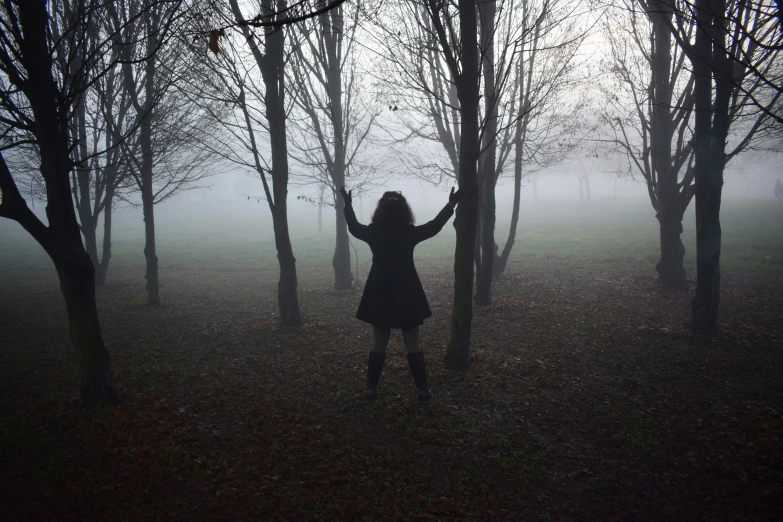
{"x":671,"y":271}
{"x":102,"y":268}
{"x":670,"y":268}
{"x":274,"y":80}
{"x":147,"y":195}
{"x":146,"y":168}
{"x":150,"y":254}
{"x":458,"y":350}
{"x":711,"y":132}
{"x":341,"y":261}
{"x":332,"y":35}
{"x":320,"y":208}
{"x":271,"y":64}
{"x":499,"y":265}
{"x":487,"y":176}
{"x":76,"y":273}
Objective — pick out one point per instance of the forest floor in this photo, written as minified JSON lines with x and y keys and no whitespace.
{"x":587,"y":399}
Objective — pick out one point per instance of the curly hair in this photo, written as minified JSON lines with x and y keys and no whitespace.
{"x":393,"y":209}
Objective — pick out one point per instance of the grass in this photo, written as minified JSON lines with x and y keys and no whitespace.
{"x":610,"y":231}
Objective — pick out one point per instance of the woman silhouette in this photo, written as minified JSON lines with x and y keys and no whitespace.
{"x":393,"y":296}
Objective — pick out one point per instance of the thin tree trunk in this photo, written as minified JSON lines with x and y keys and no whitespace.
{"x":150,"y":254}
{"x":287,"y":297}
{"x":341,"y":261}
{"x":710,"y":160}
{"x":671,"y":271}
{"x":103,"y":267}
{"x":499,"y":266}
{"x":587,"y":188}
{"x":320,"y":208}
{"x":332,"y":25}
{"x":487,"y":176}
{"x":271,"y":62}
{"x":146,"y":174}
{"x":274,"y":80}
{"x":458,"y":350}
{"x":148,"y":209}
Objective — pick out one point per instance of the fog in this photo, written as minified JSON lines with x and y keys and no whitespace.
{"x":231,"y":204}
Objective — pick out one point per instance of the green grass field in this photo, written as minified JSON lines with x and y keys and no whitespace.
{"x":607,"y":231}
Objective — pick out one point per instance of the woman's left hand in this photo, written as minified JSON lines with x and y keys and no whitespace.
{"x":454,"y":197}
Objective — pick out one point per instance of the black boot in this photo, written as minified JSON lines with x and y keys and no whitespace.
{"x":416,"y":362}
{"x":374,"y":368}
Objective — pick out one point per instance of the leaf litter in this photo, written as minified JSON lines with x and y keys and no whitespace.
{"x":587,"y":398}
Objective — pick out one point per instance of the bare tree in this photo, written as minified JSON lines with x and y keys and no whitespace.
{"x":99,"y":123}
{"x":246,"y":75}
{"x":336,"y":122}
{"x":583,"y":172}
{"x":463,"y":64}
{"x":528,"y":54}
{"x":735,"y":56}
{"x":165,"y":154}
{"x":540,"y":115}
{"x":649,"y":105}
{"x":47,"y":60}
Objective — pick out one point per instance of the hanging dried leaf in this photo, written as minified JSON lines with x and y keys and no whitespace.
{"x":214,"y":36}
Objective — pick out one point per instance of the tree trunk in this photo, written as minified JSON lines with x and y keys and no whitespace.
{"x":320,"y":208}
{"x":150,"y":254}
{"x":146,"y":176}
{"x":581,"y":190}
{"x":499,"y":266}
{"x":287,"y":298}
{"x":274,"y":79}
{"x":710,"y":159}
{"x":76,"y":273}
{"x":89,"y":226}
{"x":458,"y":350}
{"x":535,"y":188}
{"x":332,"y":24}
{"x":487,"y":176}
{"x":61,"y":239}
{"x":102,"y":268}
{"x":341,"y":261}
{"x":671,"y":271}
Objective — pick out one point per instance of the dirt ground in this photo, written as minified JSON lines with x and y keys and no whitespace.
{"x":587,"y":399}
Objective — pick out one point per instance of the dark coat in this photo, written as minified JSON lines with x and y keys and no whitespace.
{"x":393,"y":296}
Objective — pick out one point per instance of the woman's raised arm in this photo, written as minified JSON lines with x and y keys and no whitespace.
{"x":356,"y":229}
{"x":428,"y":230}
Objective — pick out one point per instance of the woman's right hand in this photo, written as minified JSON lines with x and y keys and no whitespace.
{"x":346,"y":195}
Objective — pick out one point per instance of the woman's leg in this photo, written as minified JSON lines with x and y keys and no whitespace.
{"x":411,"y":339}
{"x":416,"y":361}
{"x":380,"y":339}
